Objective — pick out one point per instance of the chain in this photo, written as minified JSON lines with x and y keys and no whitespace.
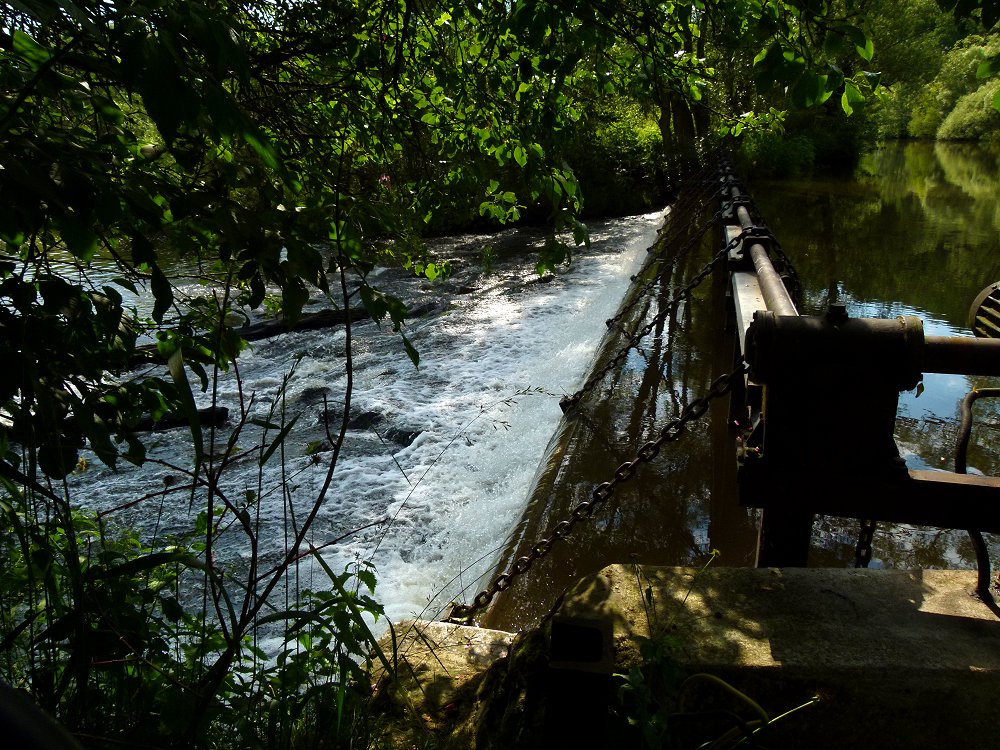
{"x":570,"y":401}
{"x":863,"y":551}
{"x":789,"y":274}
{"x":707,"y":174}
{"x":463,"y":613}
{"x":694,"y":192}
{"x":681,"y":252}
{"x":679,"y":220}
{"x":679,"y":229}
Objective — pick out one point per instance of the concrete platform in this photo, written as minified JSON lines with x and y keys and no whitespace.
{"x":898,"y":659}
{"x":438,"y":658}
{"x":907,"y":659}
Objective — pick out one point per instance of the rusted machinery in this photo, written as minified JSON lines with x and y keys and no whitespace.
{"x":819,"y":407}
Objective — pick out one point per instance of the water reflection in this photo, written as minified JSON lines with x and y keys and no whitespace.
{"x":918,"y":228}
{"x":678,"y":506}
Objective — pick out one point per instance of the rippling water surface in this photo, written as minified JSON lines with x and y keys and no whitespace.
{"x":443,"y":454}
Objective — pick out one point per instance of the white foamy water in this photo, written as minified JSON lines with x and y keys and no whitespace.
{"x":445,"y":453}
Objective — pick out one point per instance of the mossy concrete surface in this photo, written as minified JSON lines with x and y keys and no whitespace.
{"x":899,"y":659}
{"x":458,"y":686}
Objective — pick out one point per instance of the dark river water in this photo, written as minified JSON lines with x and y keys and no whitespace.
{"x":915,"y":232}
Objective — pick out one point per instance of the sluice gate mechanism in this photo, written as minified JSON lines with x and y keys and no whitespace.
{"x":818,"y":406}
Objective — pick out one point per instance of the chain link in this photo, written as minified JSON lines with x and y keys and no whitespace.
{"x":863,"y":550}
{"x":570,"y":401}
{"x":463,"y":613}
{"x":700,"y":188}
{"x":681,"y":252}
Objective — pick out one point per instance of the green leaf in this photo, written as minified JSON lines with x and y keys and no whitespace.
{"x":163,"y":293}
{"x":80,"y":239}
{"x":863,"y":44}
{"x":845,"y":104}
{"x":294,"y":296}
{"x":346,"y":239}
{"x":145,"y":563}
{"x":169,"y":99}
{"x":411,"y":351}
{"x":810,"y":90}
{"x":172,"y":610}
{"x":57,"y":457}
{"x":871,"y":78}
{"x":988,"y":67}
{"x":175,"y":364}
{"x":852,"y":96}
{"x":263,"y":147}
{"x":378,"y":304}
{"x":29,"y":50}
{"x":125,"y":284}
{"x":276,"y":443}
{"x":367,"y":577}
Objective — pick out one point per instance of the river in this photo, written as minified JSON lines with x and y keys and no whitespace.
{"x":441,"y":455}
{"x":445,"y":455}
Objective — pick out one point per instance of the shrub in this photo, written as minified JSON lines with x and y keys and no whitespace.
{"x":974,"y":117}
{"x":617,"y":157}
{"x":956,"y":79}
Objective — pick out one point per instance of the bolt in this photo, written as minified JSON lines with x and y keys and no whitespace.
{"x":836,"y":313}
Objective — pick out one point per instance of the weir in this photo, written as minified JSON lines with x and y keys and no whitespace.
{"x":810,"y":417}
{"x":631,"y":392}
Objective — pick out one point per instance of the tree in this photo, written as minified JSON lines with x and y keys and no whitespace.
{"x":955,"y":78}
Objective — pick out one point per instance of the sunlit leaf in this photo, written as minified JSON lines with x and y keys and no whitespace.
{"x":29,"y":50}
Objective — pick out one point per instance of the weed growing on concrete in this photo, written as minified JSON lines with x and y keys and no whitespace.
{"x":663,"y":707}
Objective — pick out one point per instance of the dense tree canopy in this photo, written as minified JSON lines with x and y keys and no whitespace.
{"x":245,"y":136}
{"x":167,"y":168}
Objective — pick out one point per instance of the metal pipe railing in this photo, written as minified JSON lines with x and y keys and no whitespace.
{"x":961,"y":355}
{"x":776,"y":296}
{"x":772,"y":287}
